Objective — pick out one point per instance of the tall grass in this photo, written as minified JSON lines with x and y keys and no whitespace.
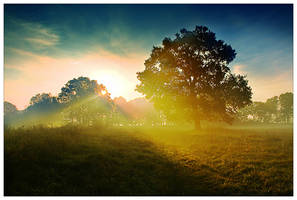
{"x":97,"y":161}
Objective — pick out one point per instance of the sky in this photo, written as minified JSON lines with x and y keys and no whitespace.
{"x":47,"y":45}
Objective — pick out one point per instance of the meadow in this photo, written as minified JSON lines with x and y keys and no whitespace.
{"x":233,"y":160}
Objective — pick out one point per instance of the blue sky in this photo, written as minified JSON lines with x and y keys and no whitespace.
{"x":38,"y":35}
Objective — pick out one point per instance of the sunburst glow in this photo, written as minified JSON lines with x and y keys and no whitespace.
{"x":103,"y":92}
{"x":114,"y":82}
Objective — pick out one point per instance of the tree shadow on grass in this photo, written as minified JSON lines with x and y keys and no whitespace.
{"x":99,"y":162}
{"x":55,"y":162}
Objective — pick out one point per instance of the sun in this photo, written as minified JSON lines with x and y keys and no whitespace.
{"x":112,"y":80}
{"x":103,"y":92}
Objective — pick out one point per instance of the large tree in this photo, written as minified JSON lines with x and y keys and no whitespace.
{"x":188,"y":78}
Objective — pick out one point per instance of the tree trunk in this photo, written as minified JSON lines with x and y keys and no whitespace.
{"x":197,"y":124}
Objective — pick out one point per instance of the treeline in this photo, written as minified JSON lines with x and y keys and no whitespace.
{"x":278,"y":109}
{"x":82,"y":102}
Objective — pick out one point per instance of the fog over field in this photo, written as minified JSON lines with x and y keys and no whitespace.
{"x":148,"y":100}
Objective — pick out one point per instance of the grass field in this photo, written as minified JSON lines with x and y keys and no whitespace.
{"x":94,"y":161}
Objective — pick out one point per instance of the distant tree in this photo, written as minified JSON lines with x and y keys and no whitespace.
{"x":82,"y":87}
{"x":120,"y":100}
{"x":137,"y":111}
{"x":260,"y":112}
{"x":189,"y":78}
{"x":86,"y":101}
{"x":286,"y":106}
{"x":9,"y":108}
{"x":273,"y":110}
{"x":42,"y":103}
{"x":10,"y":113}
{"x":246,"y":113}
{"x":271,"y":106}
{"x":264,"y":112}
{"x":41,"y":110}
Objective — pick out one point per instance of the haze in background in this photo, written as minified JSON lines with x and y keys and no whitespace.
{"x":47,"y":45}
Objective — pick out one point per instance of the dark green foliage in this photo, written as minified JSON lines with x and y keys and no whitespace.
{"x":81,"y":87}
{"x":188,"y":78}
{"x":86,"y":101}
{"x":43,"y":104}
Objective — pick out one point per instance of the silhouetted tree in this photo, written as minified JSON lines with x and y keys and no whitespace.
{"x":273,"y":110}
{"x":286,"y":106}
{"x":82,"y":87}
{"x":189,"y":78}
{"x":9,"y":108}
{"x":271,"y":106}
{"x":43,"y":103}
{"x":10,"y":113}
{"x":260,"y":112}
{"x":86,"y":100}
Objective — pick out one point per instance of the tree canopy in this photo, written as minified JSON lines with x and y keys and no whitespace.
{"x":286,"y":106}
{"x":188,"y":78}
{"x":277,"y":109}
{"x":86,"y":100}
{"x":44,"y":102}
{"x":82,"y":87}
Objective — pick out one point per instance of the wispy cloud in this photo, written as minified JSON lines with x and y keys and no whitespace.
{"x":42,"y":42}
{"x":48,"y":47}
{"x":40,"y":35}
{"x":21,"y":52}
{"x":30,"y":36}
{"x":39,"y":29}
